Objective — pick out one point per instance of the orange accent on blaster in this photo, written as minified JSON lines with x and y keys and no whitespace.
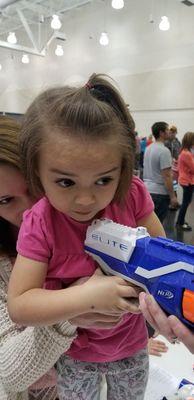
{"x":188,"y":305}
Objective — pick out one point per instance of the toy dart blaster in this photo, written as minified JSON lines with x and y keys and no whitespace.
{"x":160,"y":266}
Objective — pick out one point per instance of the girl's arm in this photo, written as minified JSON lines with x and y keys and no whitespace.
{"x":29,"y":304}
{"x":27,"y":354}
{"x":153,"y":225}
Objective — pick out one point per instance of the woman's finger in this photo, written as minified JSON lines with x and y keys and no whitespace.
{"x":156,"y":316}
{"x":182,"y":333}
{"x":145,"y":311}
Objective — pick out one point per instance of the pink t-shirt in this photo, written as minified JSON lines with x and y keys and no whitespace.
{"x":49,"y":236}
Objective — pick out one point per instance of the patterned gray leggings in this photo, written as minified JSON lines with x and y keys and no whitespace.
{"x":126,"y":379}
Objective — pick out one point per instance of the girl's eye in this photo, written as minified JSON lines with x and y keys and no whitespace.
{"x":65,"y":182}
{"x":104,"y":181}
{"x":5,"y":201}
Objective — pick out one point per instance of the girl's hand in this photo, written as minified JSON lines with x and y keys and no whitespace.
{"x":111,"y":295}
{"x":156,"y":347}
{"x":95,"y":320}
{"x":156,"y":316}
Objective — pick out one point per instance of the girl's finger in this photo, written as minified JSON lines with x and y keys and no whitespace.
{"x":130,"y":291}
{"x":131,"y":306}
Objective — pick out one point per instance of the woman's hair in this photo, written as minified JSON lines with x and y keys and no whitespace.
{"x":188,"y":141}
{"x":173,"y":128}
{"x":9,"y":155}
{"x":94,"y":111}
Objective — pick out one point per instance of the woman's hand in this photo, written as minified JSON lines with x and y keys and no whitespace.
{"x":156,"y":317}
{"x":170,"y":327}
{"x":156,"y":347}
{"x":95,"y":320}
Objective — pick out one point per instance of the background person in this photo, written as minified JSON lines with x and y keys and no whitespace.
{"x":186,"y":178}
{"x":157,"y":173}
{"x":174,"y":145}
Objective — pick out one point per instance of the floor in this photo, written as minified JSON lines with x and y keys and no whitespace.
{"x":169,"y":224}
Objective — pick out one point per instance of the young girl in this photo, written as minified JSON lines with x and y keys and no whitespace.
{"x":23,"y":359}
{"x":77,"y":147}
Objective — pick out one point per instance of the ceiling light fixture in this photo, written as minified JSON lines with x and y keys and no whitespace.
{"x":12,"y":38}
{"x":55,"y":23}
{"x":0,"y":67}
{"x":59,"y":51}
{"x":164,"y":24}
{"x":104,"y":40}
{"x":117,"y":4}
{"x":25,"y":59}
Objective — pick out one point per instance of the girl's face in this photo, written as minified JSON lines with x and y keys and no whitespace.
{"x":79,"y":177}
{"x":14,"y":197}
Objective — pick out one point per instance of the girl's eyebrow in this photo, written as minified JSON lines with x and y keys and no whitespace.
{"x":58,"y":171}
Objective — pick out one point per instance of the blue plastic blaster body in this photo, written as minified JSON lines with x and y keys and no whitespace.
{"x":161,"y":266}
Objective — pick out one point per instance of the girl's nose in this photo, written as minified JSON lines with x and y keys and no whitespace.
{"x":85,"y":199}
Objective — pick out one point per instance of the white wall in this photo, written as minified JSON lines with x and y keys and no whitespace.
{"x":162,"y":95}
{"x":183,"y":119}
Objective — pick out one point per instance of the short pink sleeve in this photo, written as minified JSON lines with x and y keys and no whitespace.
{"x":32,"y":242}
{"x":139,"y":199}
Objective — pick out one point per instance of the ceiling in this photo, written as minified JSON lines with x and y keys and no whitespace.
{"x":136,"y":44}
{"x":30,"y":20}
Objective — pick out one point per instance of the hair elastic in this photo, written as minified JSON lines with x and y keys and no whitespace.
{"x":88,"y":85}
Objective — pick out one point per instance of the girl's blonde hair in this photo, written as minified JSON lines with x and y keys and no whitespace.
{"x":94,"y":111}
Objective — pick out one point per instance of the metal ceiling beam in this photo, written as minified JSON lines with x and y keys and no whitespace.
{"x":5,"y":3}
{"x":27,"y":29}
{"x":23,"y":49}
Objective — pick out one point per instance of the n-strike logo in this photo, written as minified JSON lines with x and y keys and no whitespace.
{"x":165,"y":293}
{"x":109,"y":242}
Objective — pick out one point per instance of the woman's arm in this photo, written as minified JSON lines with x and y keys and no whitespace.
{"x":27,"y":354}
